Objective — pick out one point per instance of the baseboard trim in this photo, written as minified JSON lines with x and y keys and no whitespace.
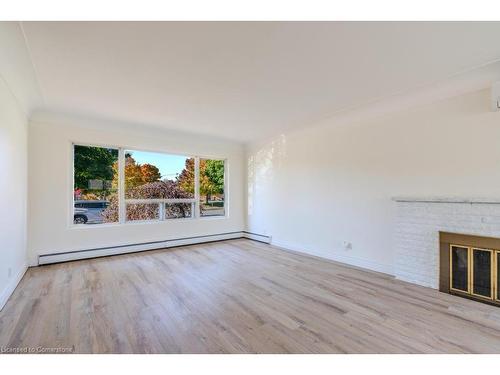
{"x":257,"y":237}
{"x":68,"y":256}
{"x":340,"y":258}
{"x":11,"y":286}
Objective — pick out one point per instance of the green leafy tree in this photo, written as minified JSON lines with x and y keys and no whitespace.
{"x":214,"y":171}
{"x":93,"y":163}
{"x":211,"y":177}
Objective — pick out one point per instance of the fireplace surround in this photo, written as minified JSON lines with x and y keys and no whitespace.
{"x":418,"y":222}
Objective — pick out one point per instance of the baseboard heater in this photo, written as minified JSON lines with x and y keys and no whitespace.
{"x":144,"y":246}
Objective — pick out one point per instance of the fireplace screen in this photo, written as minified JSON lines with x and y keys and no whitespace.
{"x":498,"y":273}
{"x":474,"y":271}
{"x":459,"y":276}
{"x":482,"y":261}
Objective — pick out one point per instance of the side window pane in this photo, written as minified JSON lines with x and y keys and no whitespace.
{"x":95,"y":185}
{"x":212,"y":188}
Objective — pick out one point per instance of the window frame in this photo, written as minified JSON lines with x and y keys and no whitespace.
{"x":122,"y":201}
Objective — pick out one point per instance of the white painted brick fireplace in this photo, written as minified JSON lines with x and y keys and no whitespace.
{"x":419,"y":221}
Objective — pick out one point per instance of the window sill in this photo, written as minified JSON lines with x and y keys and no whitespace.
{"x":145,"y":222}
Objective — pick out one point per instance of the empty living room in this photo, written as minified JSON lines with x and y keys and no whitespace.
{"x":232,"y":186}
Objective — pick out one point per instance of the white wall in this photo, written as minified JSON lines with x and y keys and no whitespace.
{"x":16,"y":67}
{"x":13,"y":190}
{"x":315,"y":188}
{"x":19,"y":94}
{"x":50,"y":189}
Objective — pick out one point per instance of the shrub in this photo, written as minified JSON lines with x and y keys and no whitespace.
{"x":149,"y":211}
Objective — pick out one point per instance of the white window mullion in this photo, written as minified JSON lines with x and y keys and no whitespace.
{"x":161,"y":211}
{"x":121,"y":186}
{"x":225,"y":196}
{"x":196,"y":187}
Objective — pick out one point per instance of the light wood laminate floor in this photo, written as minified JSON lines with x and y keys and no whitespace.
{"x":237,"y":296}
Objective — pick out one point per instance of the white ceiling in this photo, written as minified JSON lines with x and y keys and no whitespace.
{"x":244,"y":81}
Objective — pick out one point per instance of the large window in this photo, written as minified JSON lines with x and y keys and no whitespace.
{"x":121,"y":185}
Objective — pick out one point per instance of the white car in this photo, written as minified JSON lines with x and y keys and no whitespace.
{"x":89,"y":211}
{"x":80,"y":216}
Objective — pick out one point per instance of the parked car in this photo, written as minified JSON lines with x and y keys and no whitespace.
{"x":89,"y":211}
{"x":80,"y":216}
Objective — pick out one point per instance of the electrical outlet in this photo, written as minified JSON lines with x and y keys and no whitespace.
{"x":347,"y":245}
{"x":9,"y":272}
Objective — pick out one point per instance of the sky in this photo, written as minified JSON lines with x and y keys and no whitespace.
{"x":169,"y":165}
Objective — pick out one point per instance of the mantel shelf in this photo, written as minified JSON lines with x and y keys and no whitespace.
{"x":447,"y":200}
